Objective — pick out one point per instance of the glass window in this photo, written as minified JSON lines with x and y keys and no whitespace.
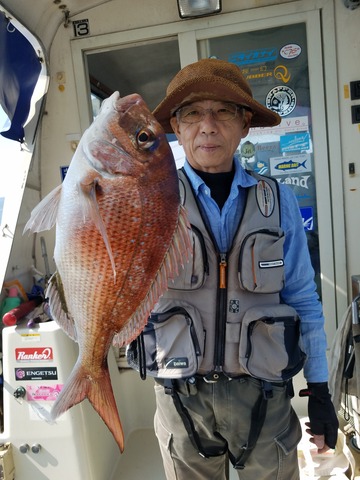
{"x":145,"y":69}
{"x":275,"y":63}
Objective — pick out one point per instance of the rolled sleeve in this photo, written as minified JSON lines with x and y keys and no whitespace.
{"x":300,"y":288}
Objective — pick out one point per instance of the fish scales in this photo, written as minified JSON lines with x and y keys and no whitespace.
{"x":121,"y":235}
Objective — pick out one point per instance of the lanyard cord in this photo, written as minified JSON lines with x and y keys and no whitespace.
{"x":258,"y":415}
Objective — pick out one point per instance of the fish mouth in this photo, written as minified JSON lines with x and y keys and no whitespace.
{"x":123,"y":104}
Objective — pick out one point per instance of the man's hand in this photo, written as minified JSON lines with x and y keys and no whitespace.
{"x":324,"y":424}
{"x":318,"y":440}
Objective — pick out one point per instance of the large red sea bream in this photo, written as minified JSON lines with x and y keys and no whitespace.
{"x":120,"y":235}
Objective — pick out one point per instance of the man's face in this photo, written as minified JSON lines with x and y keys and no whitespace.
{"x":210,"y":144}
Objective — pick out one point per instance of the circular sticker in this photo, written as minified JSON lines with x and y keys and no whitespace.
{"x":291,"y":50}
{"x":282,"y":100}
{"x":247,"y":150}
{"x":265,"y":198}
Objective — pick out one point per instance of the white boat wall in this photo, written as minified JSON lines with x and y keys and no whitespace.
{"x":59,"y":60}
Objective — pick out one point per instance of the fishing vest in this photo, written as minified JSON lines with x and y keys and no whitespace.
{"x":223,"y":313}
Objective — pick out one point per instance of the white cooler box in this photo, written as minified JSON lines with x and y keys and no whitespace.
{"x":36,"y":364}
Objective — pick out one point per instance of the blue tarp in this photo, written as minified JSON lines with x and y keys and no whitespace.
{"x":19,"y":72}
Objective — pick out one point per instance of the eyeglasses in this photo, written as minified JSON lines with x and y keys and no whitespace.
{"x":222,"y":113}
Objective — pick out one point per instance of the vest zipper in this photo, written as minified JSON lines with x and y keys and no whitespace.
{"x":222,"y":271}
{"x":221,"y":314}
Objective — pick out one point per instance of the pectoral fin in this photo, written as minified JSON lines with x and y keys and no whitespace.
{"x":43,"y":216}
{"x":89,"y":190}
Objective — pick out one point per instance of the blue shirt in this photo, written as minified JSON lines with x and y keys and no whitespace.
{"x":300,"y":288}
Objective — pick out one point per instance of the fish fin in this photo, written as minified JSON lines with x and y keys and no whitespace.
{"x":58,"y":307}
{"x":43,"y":216}
{"x":92,"y":209}
{"x":180,"y":249}
{"x":81,"y":385}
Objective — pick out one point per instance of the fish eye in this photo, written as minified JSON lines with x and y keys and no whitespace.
{"x":145,"y":139}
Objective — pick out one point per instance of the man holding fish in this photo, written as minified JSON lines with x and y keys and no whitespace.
{"x":243,"y":317}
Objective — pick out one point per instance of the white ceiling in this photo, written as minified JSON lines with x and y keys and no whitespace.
{"x":43,"y":17}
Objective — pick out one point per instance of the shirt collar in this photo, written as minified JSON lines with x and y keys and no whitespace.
{"x":241,"y":178}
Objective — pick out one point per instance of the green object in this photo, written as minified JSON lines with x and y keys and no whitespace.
{"x":8,"y":304}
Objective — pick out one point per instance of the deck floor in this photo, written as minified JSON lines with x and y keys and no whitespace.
{"x":142,"y":459}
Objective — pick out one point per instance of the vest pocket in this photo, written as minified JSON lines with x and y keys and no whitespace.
{"x":173,"y":344}
{"x":193,"y":275}
{"x":269,"y":346}
{"x":261,"y":261}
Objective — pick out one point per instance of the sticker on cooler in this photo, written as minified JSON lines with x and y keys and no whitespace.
{"x":43,"y":393}
{"x":36,"y":373}
{"x":30,"y":337}
{"x":34,"y":354}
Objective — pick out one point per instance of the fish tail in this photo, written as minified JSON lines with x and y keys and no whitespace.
{"x":99,"y":392}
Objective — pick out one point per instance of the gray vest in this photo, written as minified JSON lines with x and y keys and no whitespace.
{"x":223,"y":312}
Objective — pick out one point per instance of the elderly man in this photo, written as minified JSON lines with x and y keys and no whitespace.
{"x":247,"y":300}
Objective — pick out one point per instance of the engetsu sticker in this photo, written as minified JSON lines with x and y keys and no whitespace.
{"x":289,"y":51}
{"x":36,"y":373}
{"x":265,"y":198}
{"x":281,"y":99}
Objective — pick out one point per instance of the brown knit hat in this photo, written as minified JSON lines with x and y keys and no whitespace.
{"x":211,"y":79}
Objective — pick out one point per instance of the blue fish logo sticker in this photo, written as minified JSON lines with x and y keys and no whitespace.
{"x":293,"y":164}
{"x":290,"y":165}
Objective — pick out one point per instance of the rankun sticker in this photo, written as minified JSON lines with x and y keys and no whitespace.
{"x":33,"y":354}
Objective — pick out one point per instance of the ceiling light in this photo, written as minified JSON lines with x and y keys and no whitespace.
{"x":198,"y":8}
